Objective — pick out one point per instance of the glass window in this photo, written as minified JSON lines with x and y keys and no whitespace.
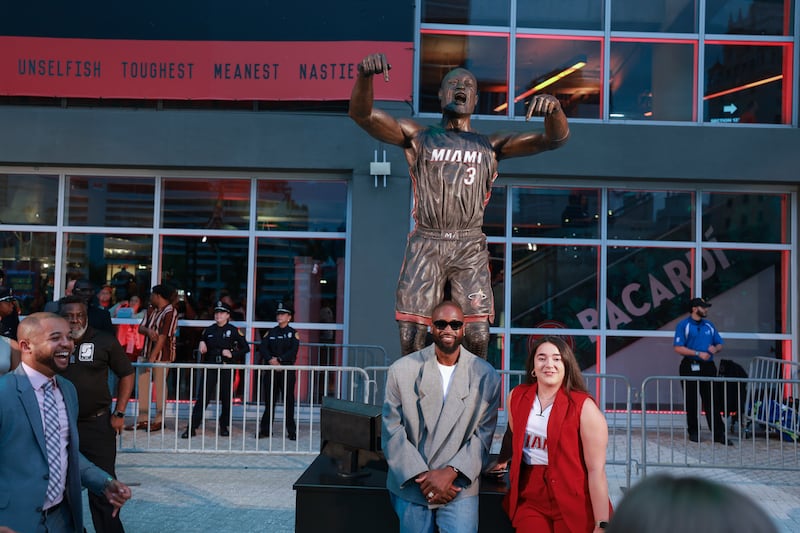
{"x":485,"y":56}
{"x":494,"y":216}
{"x":647,"y":287}
{"x":751,"y":17}
{"x":101,"y":259}
{"x":205,"y":269}
{"x":497,"y":255}
{"x":652,"y":80}
{"x":477,"y":12}
{"x":560,"y":14}
{"x":302,"y":273}
{"x":555,"y":213}
{"x":28,"y":199}
{"x":746,"y":217}
{"x":553,"y":283}
{"x":302,"y":205}
{"x":666,"y":16}
{"x":746,"y":83}
{"x":650,"y":215}
{"x":206,"y":203}
{"x":28,"y":261}
{"x":110,"y":201}
{"x":746,"y":289}
{"x":569,"y":69}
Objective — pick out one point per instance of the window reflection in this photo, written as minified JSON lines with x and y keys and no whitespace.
{"x":650,"y":215}
{"x":206,"y":203}
{"x":302,"y":205}
{"x":746,"y":217}
{"x":497,"y":261}
{"x":479,"y":12}
{"x":110,"y":201}
{"x":566,"y":68}
{"x":486,"y":57}
{"x":668,"y":16}
{"x":494,"y":216}
{"x":753,"y":17}
{"x":552,"y":282}
{"x":564,"y":14}
{"x":745,"y":83}
{"x":732,"y":277}
{"x":206,"y":269}
{"x":28,"y":261}
{"x":646,"y":287}
{"x":652,"y":81}
{"x":28,"y":199}
{"x":555,"y":213}
{"x":121,"y":262}
{"x":303,"y":273}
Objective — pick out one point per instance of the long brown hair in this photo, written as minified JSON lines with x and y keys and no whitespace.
{"x":573,"y":378}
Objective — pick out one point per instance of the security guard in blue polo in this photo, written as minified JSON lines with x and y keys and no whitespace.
{"x":221,"y":344}
{"x":279,"y":347}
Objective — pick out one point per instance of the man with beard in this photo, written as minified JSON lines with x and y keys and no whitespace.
{"x":439,"y":417}
{"x":41,"y":469}
{"x":696,"y":341}
{"x":96,"y":352}
{"x":453,"y":169}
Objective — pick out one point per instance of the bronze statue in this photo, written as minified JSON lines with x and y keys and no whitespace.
{"x":453,"y":169}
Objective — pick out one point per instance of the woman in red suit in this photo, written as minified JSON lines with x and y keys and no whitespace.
{"x":557,"y":470}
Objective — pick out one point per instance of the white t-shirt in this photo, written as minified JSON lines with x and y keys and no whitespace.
{"x":447,"y":374}
{"x":534,"y":447}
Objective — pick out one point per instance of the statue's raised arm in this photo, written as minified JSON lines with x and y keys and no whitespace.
{"x":556,"y":130}
{"x":376,"y":122}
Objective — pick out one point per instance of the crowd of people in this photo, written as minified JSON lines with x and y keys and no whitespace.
{"x":67,"y":376}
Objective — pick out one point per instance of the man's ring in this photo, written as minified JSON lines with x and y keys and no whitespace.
{"x":430,"y":495}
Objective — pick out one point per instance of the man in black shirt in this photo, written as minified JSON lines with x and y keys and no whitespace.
{"x":279,"y":347}
{"x":96,"y":352}
{"x":221,"y":344}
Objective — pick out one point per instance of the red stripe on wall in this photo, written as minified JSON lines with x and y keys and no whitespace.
{"x":196,"y":70}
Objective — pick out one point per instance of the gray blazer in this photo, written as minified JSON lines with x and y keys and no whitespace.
{"x":23,"y":456}
{"x":422,"y":433}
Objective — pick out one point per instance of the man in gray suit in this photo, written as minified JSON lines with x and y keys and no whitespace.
{"x":439,"y":417}
{"x":29,"y":501}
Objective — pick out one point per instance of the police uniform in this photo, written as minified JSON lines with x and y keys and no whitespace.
{"x":9,"y":324}
{"x":218,"y":338}
{"x":453,"y":176}
{"x":96,"y":354}
{"x":282,"y":343}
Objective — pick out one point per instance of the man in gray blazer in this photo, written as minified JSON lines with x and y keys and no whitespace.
{"x":439,"y":417}
{"x":26,"y":505}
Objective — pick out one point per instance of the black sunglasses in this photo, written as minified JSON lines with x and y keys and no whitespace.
{"x":441,"y":325}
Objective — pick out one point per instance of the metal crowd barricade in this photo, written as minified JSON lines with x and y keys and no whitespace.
{"x":185,"y":383}
{"x":757,"y":440}
{"x":611,"y":392}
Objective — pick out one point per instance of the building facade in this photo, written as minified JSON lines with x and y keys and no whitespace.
{"x":680,"y":177}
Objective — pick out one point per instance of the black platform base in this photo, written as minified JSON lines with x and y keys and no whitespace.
{"x":326,"y":501}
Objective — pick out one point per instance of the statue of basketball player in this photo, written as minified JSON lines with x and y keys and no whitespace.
{"x":452,"y":169}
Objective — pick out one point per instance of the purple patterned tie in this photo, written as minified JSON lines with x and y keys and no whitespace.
{"x":52,"y":437}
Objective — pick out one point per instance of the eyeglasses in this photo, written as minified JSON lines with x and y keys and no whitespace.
{"x":441,"y":325}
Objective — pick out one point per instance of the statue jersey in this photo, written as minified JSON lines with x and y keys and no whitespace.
{"x":452,"y":177}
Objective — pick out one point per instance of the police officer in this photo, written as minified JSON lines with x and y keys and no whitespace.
{"x":9,"y":317}
{"x":279,"y":347}
{"x":221,"y":344}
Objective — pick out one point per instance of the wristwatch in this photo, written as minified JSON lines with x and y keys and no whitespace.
{"x":602,"y":524}
{"x":119,"y":414}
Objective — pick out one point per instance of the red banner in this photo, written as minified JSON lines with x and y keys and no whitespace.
{"x":196,"y":70}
